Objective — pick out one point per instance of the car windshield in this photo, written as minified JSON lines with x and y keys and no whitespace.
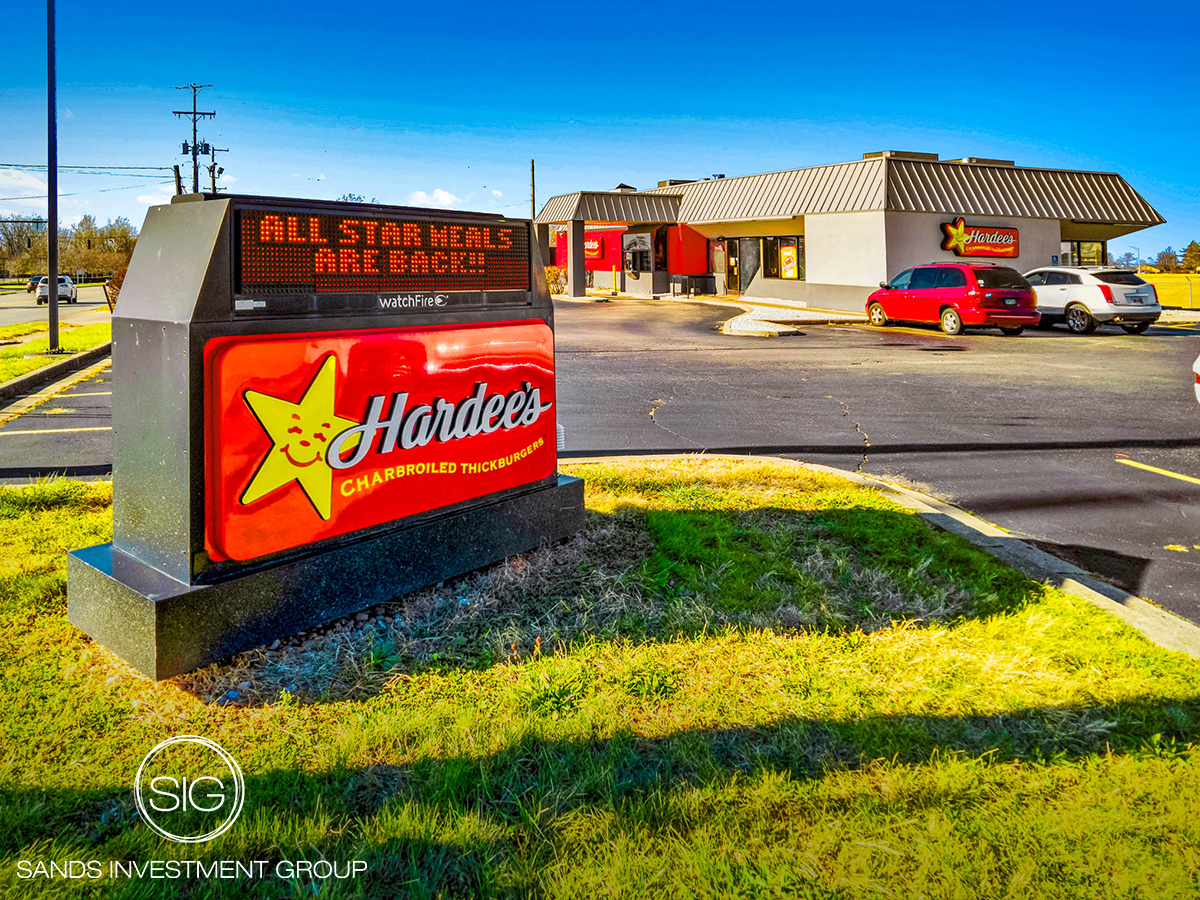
{"x":1001,"y":278}
{"x":1119,"y":278}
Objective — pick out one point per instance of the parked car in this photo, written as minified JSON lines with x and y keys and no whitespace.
{"x":66,"y":290}
{"x":1084,"y":297}
{"x":956,"y":295}
{"x":34,"y":281}
{"x":1196,"y":371}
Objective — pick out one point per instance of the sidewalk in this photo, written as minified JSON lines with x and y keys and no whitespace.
{"x":760,"y":317}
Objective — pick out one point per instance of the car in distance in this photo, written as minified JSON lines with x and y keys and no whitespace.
{"x":956,"y":296}
{"x":1084,"y":297}
{"x":66,"y":290}
{"x":31,"y":285}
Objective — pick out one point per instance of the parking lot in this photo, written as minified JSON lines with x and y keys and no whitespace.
{"x":1087,"y":445}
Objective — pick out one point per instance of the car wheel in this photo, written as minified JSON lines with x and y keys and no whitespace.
{"x":951,"y":321}
{"x":1012,"y":332}
{"x":1080,"y":321}
{"x":1135,"y":327}
{"x":877,"y":316}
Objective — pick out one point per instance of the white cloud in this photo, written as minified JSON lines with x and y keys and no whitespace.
{"x":497,"y":194}
{"x":158,"y":198}
{"x":31,"y":188}
{"x":226,"y":179}
{"x":439,"y":197}
{"x":67,"y":114}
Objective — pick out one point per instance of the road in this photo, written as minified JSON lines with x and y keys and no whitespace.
{"x":1035,"y":433}
{"x":1082,"y":444}
{"x":18,"y":307}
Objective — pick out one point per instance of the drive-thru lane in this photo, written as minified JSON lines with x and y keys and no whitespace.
{"x":1038,"y":433}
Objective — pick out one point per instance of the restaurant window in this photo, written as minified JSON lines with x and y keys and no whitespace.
{"x":1084,"y":253}
{"x":660,"y":249}
{"x":783,"y":257}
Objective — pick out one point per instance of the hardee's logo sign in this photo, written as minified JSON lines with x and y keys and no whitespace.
{"x":310,"y":437}
{"x":974,"y":240}
{"x":311,"y":441}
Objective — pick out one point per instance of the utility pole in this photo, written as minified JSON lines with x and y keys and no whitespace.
{"x":51,"y":180}
{"x":195,"y":115}
{"x":532,"y":193}
{"x":213,"y":169}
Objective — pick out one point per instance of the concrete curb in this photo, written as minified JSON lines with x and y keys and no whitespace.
{"x":26,"y":384}
{"x":1159,"y":626}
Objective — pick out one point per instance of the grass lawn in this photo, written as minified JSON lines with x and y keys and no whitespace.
{"x":71,"y":338}
{"x":743,"y":679}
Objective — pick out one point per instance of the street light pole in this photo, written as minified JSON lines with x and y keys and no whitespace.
{"x":51,"y":180}
{"x":1138,"y":251}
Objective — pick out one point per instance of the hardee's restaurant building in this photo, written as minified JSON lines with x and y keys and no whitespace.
{"x":827,"y":235}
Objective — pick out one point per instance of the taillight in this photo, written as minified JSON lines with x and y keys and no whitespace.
{"x":1107,"y":292}
{"x":1153,"y":292}
{"x":1033,"y":296}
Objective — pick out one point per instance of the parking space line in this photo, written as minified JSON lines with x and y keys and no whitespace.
{"x":4,"y":433}
{"x":25,"y":404}
{"x":1158,"y":471}
{"x":90,"y":394}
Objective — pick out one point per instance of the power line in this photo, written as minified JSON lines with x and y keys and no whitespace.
{"x":128,"y":187}
{"x":66,"y":170}
{"x":44,"y":166}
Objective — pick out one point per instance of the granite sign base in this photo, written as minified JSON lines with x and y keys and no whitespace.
{"x":164,"y":628}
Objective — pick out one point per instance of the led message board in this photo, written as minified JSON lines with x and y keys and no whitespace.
{"x":290,"y":252}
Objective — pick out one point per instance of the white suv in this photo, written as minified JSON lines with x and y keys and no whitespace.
{"x":66,"y":290}
{"x":1087,"y":297}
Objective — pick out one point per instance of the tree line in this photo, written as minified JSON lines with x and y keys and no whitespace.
{"x":96,"y":249}
{"x":1188,"y":260}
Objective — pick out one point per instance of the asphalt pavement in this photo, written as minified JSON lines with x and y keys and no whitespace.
{"x":1087,"y":445}
{"x":1044,"y":434}
{"x":17,"y":307}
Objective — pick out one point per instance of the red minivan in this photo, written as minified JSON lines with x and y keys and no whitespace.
{"x":956,"y":295}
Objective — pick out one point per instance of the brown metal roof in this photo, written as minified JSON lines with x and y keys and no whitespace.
{"x":983,"y":190}
{"x":872,"y":184}
{"x":612,"y":206}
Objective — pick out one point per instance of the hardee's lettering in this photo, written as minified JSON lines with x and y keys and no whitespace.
{"x":481,"y":413}
{"x":282,"y":253}
{"x":971,"y":240}
{"x":312,"y":436}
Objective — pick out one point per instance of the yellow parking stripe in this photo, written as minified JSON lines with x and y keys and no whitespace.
{"x":91,"y":394}
{"x":1158,"y":471}
{"x":4,"y":433}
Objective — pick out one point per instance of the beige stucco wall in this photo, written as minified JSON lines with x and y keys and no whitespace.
{"x":760,"y":228}
{"x":845,"y":248}
{"x":915,"y":238}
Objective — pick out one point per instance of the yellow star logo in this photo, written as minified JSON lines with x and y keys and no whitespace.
{"x":956,"y":235}
{"x":301,"y":433}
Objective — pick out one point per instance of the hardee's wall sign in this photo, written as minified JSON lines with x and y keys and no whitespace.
{"x":980,"y":240}
{"x":312,"y":436}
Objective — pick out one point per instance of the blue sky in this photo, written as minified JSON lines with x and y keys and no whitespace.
{"x":446,"y":103}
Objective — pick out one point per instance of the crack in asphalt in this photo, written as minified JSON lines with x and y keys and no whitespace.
{"x":859,"y":429}
{"x":654,"y":409}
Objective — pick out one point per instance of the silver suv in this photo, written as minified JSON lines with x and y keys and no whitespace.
{"x":1085,"y":297}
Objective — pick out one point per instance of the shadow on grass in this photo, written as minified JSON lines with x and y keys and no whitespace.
{"x":491,"y":824}
{"x":636,"y":576}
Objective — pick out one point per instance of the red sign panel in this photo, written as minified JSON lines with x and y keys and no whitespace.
{"x":312,"y":436}
{"x":980,"y":240}
{"x":285,"y":253}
